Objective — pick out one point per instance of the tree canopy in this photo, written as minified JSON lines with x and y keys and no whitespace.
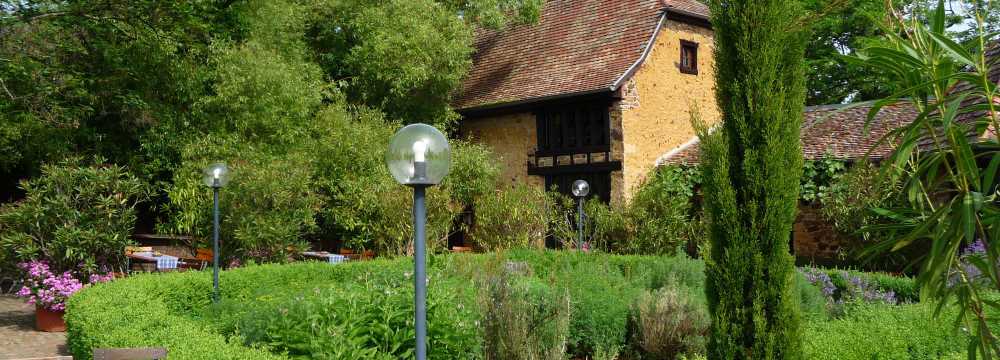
{"x":135,"y":81}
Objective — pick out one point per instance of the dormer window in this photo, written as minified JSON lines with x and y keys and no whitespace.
{"x":689,"y":57}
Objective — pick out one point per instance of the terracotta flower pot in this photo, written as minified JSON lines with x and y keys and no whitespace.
{"x":49,"y":320}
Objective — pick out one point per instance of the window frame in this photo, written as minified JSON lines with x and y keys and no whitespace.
{"x":689,"y":47}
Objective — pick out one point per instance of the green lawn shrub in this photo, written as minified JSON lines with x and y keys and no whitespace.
{"x":882,"y":331}
{"x":76,"y":216}
{"x":670,"y":322}
{"x":509,"y":218}
{"x":813,"y":304}
{"x":363,"y":205}
{"x":590,"y":306}
{"x":523,"y":318}
{"x":267,"y":209}
{"x":658,"y":220}
{"x":904,"y":288}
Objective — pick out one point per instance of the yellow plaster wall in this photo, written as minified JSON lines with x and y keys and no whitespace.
{"x":656,"y":116}
{"x":512,"y":138}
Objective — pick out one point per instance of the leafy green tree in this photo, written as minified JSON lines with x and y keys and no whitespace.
{"x":841,"y":28}
{"x":752,"y":170}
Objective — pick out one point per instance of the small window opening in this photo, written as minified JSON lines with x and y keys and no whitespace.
{"x":689,"y":57}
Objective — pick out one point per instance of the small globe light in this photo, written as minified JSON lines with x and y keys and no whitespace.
{"x":419,"y":154}
{"x":581,"y":188}
{"x":216,"y":175}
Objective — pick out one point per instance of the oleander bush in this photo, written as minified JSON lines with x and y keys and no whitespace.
{"x":487,"y":306}
{"x":76,"y":216}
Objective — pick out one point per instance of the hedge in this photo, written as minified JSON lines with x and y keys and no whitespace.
{"x":882,"y":331}
{"x":286,"y":311}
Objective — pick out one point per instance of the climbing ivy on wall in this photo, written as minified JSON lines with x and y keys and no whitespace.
{"x":819,"y":179}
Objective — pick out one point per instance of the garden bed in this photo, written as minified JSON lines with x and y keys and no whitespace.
{"x":364,"y":310}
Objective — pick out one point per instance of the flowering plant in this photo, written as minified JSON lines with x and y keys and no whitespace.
{"x":48,"y":290}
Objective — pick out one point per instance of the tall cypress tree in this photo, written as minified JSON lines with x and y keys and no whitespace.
{"x":752,"y":169}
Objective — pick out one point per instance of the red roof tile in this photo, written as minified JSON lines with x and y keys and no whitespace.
{"x":836,"y":131}
{"x":578,"y":46}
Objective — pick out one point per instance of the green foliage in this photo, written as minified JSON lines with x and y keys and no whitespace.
{"x":842,"y":28}
{"x":523,"y":318}
{"x":670,"y":324}
{"x":403,"y":57}
{"x":474,"y":172}
{"x":513,"y":217}
{"x":496,"y":14}
{"x":819,"y":177}
{"x":662,"y":212}
{"x":752,"y":169}
{"x":813,"y":303}
{"x":950,"y":191}
{"x":301,"y":327}
{"x":852,"y":200}
{"x":658,"y":220}
{"x":364,"y":206}
{"x":259,"y":94}
{"x":267,"y":208}
{"x":880,"y":331}
{"x":363,"y":309}
{"x":75,"y":216}
{"x":601,"y":298}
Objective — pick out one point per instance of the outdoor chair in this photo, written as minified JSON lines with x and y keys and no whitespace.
{"x":130,"y":354}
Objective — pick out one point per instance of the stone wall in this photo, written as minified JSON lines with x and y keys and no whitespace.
{"x":512,"y":138}
{"x":814,"y":237}
{"x":657,"y":104}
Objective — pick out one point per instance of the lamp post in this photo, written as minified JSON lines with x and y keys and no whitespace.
{"x":216,"y":176}
{"x":419,"y":157}
{"x":580,"y":189}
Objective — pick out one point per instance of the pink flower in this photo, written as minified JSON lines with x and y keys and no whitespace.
{"x":43,"y":288}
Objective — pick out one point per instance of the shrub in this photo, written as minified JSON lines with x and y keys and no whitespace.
{"x":523,"y":319}
{"x":301,"y":326}
{"x":509,"y":218}
{"x":74,"y":216}
{"x":670,"y":324}
{"x":142,"y":311}
{"x":656,"y":221}
{"x":849,"y":207}
{"x":364,"y":206}
{"x":474,"y":173}
{"x":662,"y":212}
{"x":813,"y":298}
{"x":267,"y":209}
{"x":584,"y":305}
{"x":904,"y":289}
{"x":881,"y":331}
{"x":601,"y":299}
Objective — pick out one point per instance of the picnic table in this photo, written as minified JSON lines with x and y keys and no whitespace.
{"x":163,"y":262}
{"x":325,"y":256}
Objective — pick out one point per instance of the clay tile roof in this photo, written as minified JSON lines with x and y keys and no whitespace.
{"x":836,"y":131}
{"x":577,"y":47}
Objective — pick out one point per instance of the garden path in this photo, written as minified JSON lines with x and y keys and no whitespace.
{"x":18,"y":338}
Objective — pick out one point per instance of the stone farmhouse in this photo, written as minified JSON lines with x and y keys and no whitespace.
{"x":597,"y":90}
{"x":605,"y":91}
